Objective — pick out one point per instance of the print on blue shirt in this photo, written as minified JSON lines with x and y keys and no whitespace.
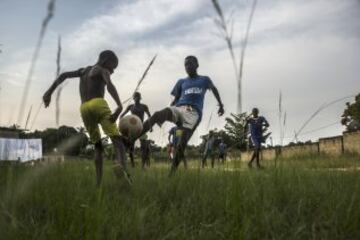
{"x":256,"y":125}
{"x":191,"y":91}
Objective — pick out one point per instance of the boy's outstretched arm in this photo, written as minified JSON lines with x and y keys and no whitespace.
{"x":148,"y":112}
{"x":174,"y":101}
{"x":62,"y":77}
{"x":221,"y":110}
{"x":114,"y":94}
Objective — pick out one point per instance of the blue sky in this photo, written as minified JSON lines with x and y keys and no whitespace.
{"x":308,"y":49}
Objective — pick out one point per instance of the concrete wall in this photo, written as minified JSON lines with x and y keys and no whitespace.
{"x":300,"y":150}
{"x":334,"y":146}
{"x":352,"y":142}
{"x":246,"y":156}
{"x":331,"y":146}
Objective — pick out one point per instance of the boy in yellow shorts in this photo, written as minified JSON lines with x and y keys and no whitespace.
{"x":95,"y":110}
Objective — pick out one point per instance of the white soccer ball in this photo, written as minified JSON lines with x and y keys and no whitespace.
{"x":131,"y":126}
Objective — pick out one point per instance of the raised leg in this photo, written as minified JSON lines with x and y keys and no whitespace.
{"x":159,"y":118}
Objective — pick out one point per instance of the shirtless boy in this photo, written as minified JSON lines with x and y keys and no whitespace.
{"x":95,"y":110}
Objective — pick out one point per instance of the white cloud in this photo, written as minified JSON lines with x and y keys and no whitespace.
{"x":309,"y":49}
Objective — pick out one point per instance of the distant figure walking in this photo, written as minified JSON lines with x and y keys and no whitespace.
{"x":209,"y":150}
{"x":139,"y":110}
{"x":222,"y":151}
{"x":257,"y":125}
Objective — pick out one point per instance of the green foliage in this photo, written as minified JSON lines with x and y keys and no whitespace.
{"x":235,"y":129}
{"x":351,"y":115}
{"x":352,"y":110}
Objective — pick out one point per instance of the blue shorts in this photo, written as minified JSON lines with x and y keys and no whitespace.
{"x":256,"y":141}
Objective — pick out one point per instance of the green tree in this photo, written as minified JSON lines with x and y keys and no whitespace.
{"x":235,"y":130}
{"x":351,"y":115}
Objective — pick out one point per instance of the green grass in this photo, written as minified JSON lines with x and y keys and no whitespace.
{"x":299,"y":199}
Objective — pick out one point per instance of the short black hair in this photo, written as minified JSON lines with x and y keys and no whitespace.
{"x":108,"y":55}
{"x":137,"y":94}
{"x":193,"y":58}
{"x":255,"y":109}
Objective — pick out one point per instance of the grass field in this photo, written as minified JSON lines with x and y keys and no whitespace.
{"x":305,"y":198}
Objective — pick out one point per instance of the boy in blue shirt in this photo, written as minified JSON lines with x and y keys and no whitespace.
{"x":222,"y":151}
{"x":186,"y":108}
{"x":257,"y":125}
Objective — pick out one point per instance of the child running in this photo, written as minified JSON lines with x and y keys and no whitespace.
{"x":257,"y":125}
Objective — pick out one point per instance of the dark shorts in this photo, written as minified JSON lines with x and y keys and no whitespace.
{"x":256,"y":141}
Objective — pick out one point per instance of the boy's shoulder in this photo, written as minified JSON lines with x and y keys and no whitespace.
{"x":97,"y":69}
{"x":204,"y":77}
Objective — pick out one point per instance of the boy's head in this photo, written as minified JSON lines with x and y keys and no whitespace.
{"x":108,"y":60}
{"x":137,"y":97}
{"x":191,"y":65}
{"x":255,"y":112}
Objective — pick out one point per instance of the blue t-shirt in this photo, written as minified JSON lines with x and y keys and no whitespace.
{"x":191,"y":91}
{"x":222,"y":147}
{"x":256,"y":126}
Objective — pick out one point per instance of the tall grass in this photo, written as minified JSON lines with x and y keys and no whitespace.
{"x":45,"y":22}
{"x":226,"y":29}
{"x":59,"y":90}
{"x":142,"y":78}
{"x":288,"y":202}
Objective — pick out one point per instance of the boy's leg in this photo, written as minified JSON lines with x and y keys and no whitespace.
{"x":252,"y":158}
{"x":111,"y":130}
{"x":185,"y":163}
{"x":120,"y":158}
{"x":256,"y":142}
{"x":258,"y":159}
{"x":158,"y":117}
{"x":180,"y":149}
{"x":143,"y":153}
{"x":148,"y":151}
{"x":131,"y":154}
{"x":203,"y":162}
{"x":212,"y":159}
{"x":91,"y":125}
{"x":99,"y":162}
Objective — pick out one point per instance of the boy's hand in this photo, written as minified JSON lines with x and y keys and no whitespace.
{"x":47,"y":99}
{"x":221,"y":110}
{"x":115,"y":115}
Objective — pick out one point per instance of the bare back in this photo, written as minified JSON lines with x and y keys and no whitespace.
{"x":92,"y":84}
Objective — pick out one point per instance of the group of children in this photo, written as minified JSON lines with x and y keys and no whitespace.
{"x":185,"y":111}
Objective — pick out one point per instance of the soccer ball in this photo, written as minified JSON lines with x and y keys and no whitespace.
{"x":130,"y":126}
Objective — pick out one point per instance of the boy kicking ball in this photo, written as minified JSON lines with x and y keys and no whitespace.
{"x":95,"y":110}
{"x":186,"y":109}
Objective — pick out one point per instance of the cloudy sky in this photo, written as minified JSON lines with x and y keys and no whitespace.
{"x":308,"y":49}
